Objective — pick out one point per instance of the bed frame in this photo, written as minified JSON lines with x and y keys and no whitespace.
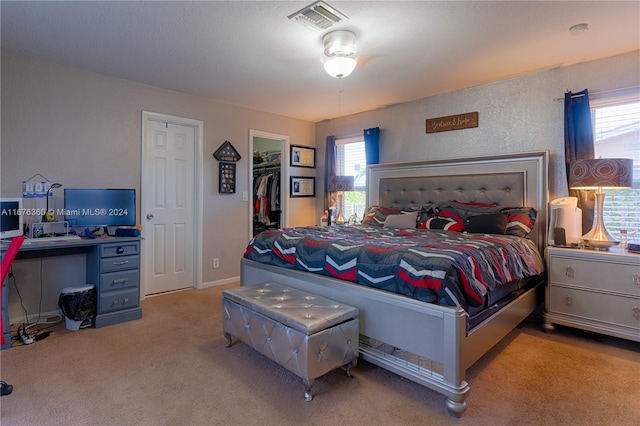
{"x":434,"y":346}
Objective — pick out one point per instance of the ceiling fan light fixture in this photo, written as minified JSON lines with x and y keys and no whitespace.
{"x":340,"y":66}
{"x":340,"y":48}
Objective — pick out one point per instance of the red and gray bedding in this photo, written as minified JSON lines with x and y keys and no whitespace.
{"x":443,"y":267}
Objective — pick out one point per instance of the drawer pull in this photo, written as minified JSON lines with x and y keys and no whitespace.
{"x":124,"y":262}
{"x":568,"y":271}
{"x":636,"y":279}
{"x":636,"y":312}
{"x":120,"y":250}
{"x":568,"y":300}
{"x":115,"y":302}
{"x":121,"y":281}
{"x":126,"y":300}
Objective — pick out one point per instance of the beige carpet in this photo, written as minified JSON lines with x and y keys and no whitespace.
{"x":171,"y":368}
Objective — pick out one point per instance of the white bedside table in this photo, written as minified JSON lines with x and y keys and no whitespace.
{"x":597,"y":291}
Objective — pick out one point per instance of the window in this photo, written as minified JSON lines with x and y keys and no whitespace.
{"x":351,"y":161}
{"x":616,"y":124}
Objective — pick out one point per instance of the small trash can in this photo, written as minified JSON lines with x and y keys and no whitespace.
{"x":78,"y":304}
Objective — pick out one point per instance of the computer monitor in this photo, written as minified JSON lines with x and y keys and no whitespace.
{"x":11,"y":214}
{"x":90,"y":207}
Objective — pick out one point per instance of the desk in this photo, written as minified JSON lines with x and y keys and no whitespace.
{"x":113,"y":266}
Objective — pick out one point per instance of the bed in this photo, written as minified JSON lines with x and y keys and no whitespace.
{"x":434,"y":344}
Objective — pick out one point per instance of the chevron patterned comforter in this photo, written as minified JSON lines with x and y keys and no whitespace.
{"x":443,"y":267}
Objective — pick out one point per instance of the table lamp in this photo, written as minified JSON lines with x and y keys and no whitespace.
{"x":339,"y":184}
{"x":599,"y":174}
{"x":50,"y":215}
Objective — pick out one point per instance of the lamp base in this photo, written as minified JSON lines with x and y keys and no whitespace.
{"x":340,"y":218}
{"x":599,"y":238}
{"x":600,"y":245}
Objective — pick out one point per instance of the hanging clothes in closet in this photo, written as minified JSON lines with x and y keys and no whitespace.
{"x":266,"y":197}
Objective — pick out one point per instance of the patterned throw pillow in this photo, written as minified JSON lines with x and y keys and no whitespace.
{"x":426,"y":212}
{"x":520,"y":220}
{"x":461,"y":212}
{"x":442,"y":223}
{"x":376,"y":215}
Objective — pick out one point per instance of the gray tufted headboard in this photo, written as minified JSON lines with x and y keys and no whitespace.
{"x":507,"y":180}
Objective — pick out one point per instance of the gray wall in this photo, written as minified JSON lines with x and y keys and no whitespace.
{"x":83,"y":130}
{"x":515,"y":115}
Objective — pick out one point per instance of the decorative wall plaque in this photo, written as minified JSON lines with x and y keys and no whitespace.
{"x":227,"y":152}
{"x":452,"y":122}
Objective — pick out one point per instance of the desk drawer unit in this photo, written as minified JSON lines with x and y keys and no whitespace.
{"x":595,"y":291}
{"x":117,"y":274}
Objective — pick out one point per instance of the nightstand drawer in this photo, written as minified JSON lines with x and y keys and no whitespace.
{"x":590,"y":306}
{"x":118,"y":300}
{"x":119,"y":280}
{"x":617,"y":277}
{"x":119,"y":263}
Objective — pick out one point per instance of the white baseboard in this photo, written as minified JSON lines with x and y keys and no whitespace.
{"x":220,"y":282}
{"x":44,"y":317}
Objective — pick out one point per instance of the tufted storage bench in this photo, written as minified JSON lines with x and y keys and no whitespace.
{"x":307,"y":334}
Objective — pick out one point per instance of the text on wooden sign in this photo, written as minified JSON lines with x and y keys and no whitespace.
{"x":452,"y":122}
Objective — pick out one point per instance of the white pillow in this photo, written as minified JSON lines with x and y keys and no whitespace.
{"x":403,"y":220}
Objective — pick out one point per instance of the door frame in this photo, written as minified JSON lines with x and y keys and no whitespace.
{"x":198,"y":128}
{"x":284,"y":175}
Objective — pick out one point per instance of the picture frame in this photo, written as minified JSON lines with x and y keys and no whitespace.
{"x":301,"y":186}
{"x":302,"y":156}
{"x":227,"y":178}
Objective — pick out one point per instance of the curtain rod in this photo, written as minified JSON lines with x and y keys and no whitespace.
{"x":621,"y":89}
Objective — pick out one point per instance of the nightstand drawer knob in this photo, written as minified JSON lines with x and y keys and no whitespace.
{"x":568,"y":271}
{"x":568,"y":300}
{"x":636,"y":312}
{"x":636,"y":279}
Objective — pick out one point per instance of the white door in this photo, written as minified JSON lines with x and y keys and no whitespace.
{"x":168,"y":208}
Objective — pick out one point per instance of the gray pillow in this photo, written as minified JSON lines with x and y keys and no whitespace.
{"x":404,"y":220}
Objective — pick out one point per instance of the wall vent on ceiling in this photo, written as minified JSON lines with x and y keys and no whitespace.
{"x":318,"y":16}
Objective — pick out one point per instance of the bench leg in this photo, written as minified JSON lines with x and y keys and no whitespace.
{"x":229,"y":339}
{"x":351,"y":365}
{"x":307,"y":389}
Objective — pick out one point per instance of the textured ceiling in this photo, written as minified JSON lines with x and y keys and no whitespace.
{"x":249,"y":54}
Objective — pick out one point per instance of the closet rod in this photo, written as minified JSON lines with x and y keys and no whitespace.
{"x":621,"y":89}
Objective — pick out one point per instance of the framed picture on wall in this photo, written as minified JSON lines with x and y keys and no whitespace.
{"x":302,"y":156}
{"x":227,"y":178}
{"x":303,"y":186}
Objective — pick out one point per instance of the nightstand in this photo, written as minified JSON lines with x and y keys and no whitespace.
{"x":597,"y":291}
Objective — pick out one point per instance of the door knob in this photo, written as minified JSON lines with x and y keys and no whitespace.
{"x":149,"y":216}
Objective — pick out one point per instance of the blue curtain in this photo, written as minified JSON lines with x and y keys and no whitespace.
{"x":578,"y":145}
{"x":329,"y":168}
{"x":372,"y":145}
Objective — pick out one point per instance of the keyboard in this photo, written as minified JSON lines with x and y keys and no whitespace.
{"x":52,"y":239}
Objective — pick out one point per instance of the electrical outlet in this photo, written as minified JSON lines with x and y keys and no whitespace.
{"x":216,"y":262}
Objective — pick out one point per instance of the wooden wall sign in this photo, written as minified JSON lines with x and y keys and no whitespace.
{"x":452,"y":122}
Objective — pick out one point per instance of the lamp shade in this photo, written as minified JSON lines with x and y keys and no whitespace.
{"x":340,"y":66}
{"x":601,"y":173}
{"x":340,"y":183}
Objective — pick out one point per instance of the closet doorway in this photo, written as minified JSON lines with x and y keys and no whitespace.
{"x":269,"y":181}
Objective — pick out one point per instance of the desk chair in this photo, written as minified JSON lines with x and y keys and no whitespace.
{"x":7,"y":261}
